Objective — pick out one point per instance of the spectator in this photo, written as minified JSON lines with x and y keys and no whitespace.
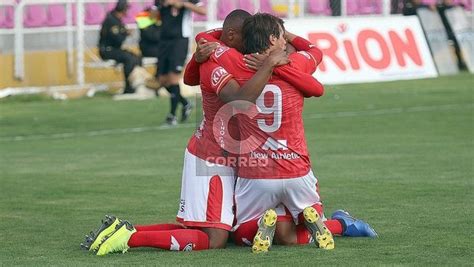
{"x":173,"y":49}
{"x":149,"y":24}
{"x":112,"y":35}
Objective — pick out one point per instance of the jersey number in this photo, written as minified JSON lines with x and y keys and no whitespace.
{"x":275,"y":109}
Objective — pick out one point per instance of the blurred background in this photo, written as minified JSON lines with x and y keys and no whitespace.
{"x":50,"y":45}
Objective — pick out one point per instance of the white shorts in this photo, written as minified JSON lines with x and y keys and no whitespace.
{"x":207,"y":194}
{"x":254,"y":196}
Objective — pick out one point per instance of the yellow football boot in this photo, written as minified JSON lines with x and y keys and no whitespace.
{"x":321,"y":235}
{"x":118,"y":240}
{"x":266,"y":230}
{"x":94,"y":240}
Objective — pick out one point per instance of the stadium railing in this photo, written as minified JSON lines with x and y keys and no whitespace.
{"x":74,"y":18}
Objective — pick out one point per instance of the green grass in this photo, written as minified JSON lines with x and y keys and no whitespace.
{"x":398,"y":154}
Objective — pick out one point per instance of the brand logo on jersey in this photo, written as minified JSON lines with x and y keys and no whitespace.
{"x":182,"y":204}
{"x":273,"y":144}
{"x":188,"y":247}
{"x":220,"y":50}
{"x":218,"y":75}
{"x":174,"y":244}
{"x":305,"y":54}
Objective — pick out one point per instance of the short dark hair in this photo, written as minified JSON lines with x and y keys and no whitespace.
{"x":257,"y":31}
{"x":235,"y":19}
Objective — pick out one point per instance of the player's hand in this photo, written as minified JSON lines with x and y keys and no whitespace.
{"x":204,"y":49}
{"x":255,"y":61}
{"x":277,"y":57}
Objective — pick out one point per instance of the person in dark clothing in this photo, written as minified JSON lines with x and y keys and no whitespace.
{"x":173,"y":49}
{"x":149,"y":24}
{"x":112,"y":35}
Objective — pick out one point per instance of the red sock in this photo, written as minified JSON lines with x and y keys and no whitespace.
{"x":179,"y":240}
{"x":334,"y":226}
{"x":302,"y":235}
{"x":244,"y":235}
{"x":158,"y":227}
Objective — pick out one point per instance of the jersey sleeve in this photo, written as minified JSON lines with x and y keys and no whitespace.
{"x":191,"y":73}
{"x":307,"y":57}
{"x":302,"y":81}
{"x":214,"y":77}
{"x":210,"y":36}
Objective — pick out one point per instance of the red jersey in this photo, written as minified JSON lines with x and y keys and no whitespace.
{"x":273,"y":143}
{"x":206,"y":144}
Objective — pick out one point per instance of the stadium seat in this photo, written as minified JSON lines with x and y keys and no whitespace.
{"x":7,"y":18}
{"x":266,"y":6}
{"x":95,"y":14}
{"x":110,"y":6}
{"x":133,"y":10}
{"x":224,"y":7}
{"x":319,"y":7}
{"x":149,"y":3}
{"x":56,"y":15}
{"x":352,"y":8}
{"x":246,"y":5}
{"x":35,"y":16}
{"x":368,"y":7}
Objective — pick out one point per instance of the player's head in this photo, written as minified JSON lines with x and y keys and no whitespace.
{"x":232,"y":28}
{"x":262,"y":32}
{"x":121,"y":7}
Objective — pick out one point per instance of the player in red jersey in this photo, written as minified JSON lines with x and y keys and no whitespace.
{"x":274,"y":164}
{"x":208,"y":187}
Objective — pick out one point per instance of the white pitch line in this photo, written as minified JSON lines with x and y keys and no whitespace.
{"x":376,"y":112}
{"x":373,"y":112}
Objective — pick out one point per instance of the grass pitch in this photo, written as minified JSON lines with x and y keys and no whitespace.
{"x":397,"y":154}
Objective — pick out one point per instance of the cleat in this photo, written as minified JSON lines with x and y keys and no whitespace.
{"x":266,"y":230}
{"x":315,"y":225}
{"x":171,"y":120}
{"x":93,"y":241}
{"x":353,"y":227}
{"x":186,"y":112}
{"x":118,"y":240}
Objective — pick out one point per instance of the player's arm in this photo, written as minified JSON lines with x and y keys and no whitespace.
{"x":252,"y":89}
{"x":303,"y":82}
{"x":294,"y":75}
{"x":204,"y":50}
{"x":301,"y":44}
{"x":211,"y":36}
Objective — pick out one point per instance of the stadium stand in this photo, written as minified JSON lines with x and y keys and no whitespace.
{"x":56,"y":16}
{"x":94,"y":14}
{"x":133,"y":10}
{"x":224,"y":7}
{"x":6,"y":17}
{"x":319,"y":7}
{"x":35,"y":16}
{"x":367,"y":7}
{"x":246,"y":5}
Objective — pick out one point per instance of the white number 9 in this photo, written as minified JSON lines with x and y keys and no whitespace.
{"x":275,"y":109}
